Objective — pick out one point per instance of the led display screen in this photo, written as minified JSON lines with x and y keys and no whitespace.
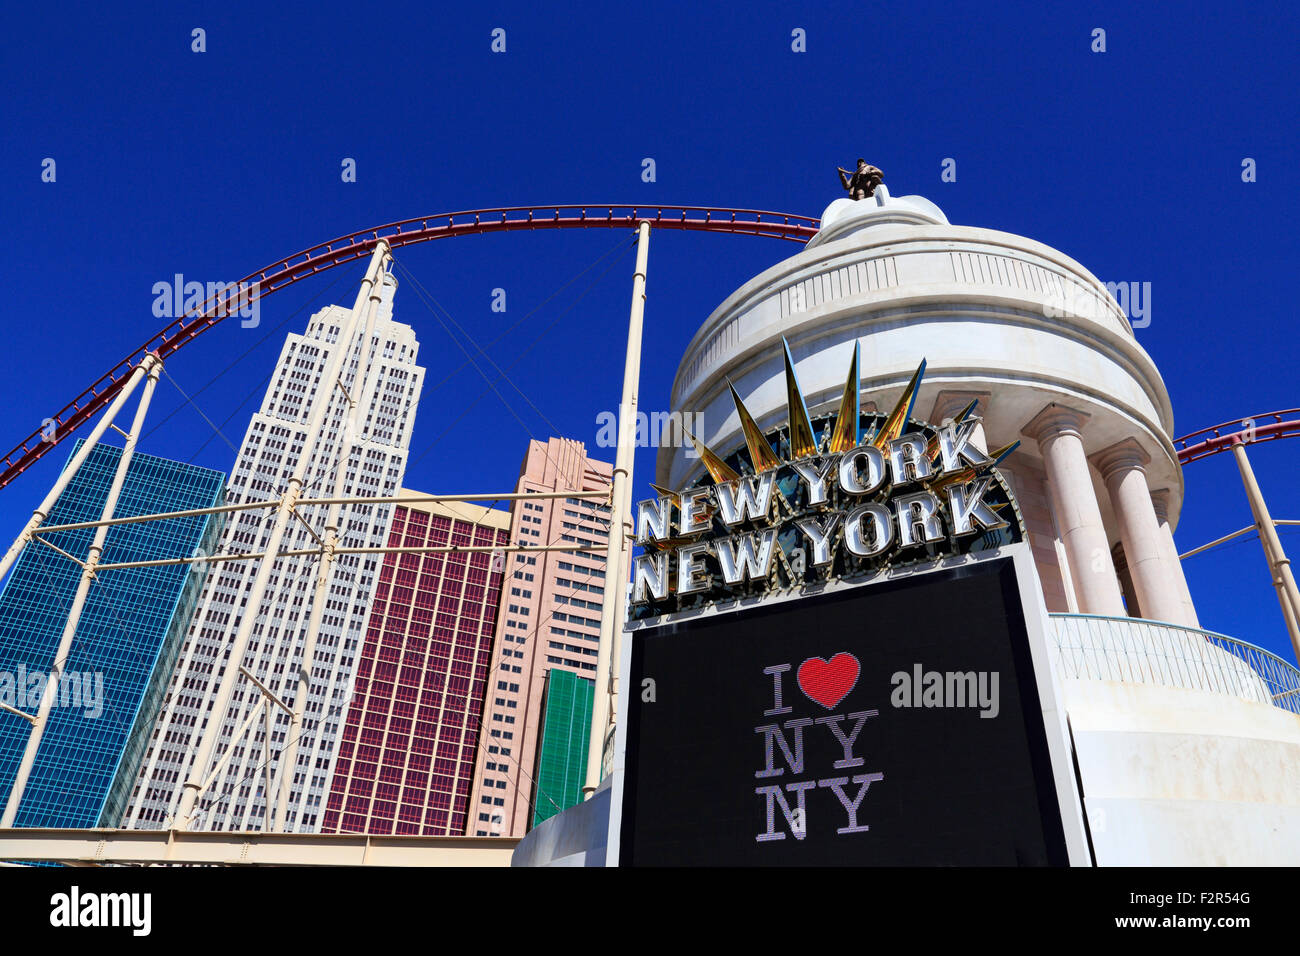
{"x":889,"y":724}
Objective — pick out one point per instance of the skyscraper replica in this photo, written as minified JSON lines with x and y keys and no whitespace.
{"x":126,"y":643}
{"x":407,"y":755}
{"x":268,"y":455}
{"x":1166,"y":744}
{"x":551,"y":604}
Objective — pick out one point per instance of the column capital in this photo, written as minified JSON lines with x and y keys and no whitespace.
{"x":1160,"y":502}
{"x":1055,"y":420}
{"x":950,"y":401}
{"x":1119,"y":458}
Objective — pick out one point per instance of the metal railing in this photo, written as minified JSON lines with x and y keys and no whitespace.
{"x":1135,"y":650}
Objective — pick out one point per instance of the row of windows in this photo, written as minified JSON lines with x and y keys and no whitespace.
{"x":580,"y":585}
{"x":574,"y":619}
{"x":577,"y":665}
{"x":589,"y":503}
{"x":580,"y":602}
{"x":557,"y":646}
{"x":582,"y":569}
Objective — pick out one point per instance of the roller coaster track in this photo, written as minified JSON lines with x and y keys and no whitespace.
{"x":1269,"y":426}
{"x":285,"y":272}
{"x":327,"y":255}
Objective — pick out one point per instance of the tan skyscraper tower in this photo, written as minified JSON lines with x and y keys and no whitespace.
{"x":549,"y":619}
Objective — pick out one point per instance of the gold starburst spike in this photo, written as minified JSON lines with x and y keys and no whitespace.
{"x":802,"y":443}
{"x":848,"y":425}
{"x":663,"y":492}
{"x":932,"y":449}
{"x":760,"y":452}
{"x":897,"y":420}
{"x":718,"y":469}
{"x":672,"y":544}
{"x":969,"y":473}
{"x":1001,"y":454}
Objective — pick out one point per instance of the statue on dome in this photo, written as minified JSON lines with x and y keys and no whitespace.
{"x":862,"y":182}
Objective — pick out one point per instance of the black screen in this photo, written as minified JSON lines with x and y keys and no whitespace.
{"x":933,"y":785}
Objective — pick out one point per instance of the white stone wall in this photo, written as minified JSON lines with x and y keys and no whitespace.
{"x":973,"y":302}
{"x":991,"y":313}
{"x":1179,"y":777}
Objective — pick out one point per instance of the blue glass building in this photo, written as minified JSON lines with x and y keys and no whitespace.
{"x":127,"y":641}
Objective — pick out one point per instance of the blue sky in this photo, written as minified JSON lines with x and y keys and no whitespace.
{"x":215,"y":164}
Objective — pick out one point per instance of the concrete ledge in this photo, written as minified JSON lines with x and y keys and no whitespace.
{"x":251,"y":848}
{"x":575,"y":837}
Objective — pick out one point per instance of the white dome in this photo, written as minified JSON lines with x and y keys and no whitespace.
{"x":845,"y":216}
{"x":991,"y":312}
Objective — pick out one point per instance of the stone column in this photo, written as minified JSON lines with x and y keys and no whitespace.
{"x":1058,"y":431}
{"x":1121,"y":468}
{"x":1160,"y":502}
{"x":1125,"y":581}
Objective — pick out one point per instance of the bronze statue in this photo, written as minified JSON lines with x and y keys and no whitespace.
{"x":863,"y":181}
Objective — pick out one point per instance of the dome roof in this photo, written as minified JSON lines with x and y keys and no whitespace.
{"x":844,"y":217}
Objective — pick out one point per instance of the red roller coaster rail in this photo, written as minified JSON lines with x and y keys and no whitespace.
{"x":285,"y":272}
{"x":1269,"y":426}
{"x":319,"y":258}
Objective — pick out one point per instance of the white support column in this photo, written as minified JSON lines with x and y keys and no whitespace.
{"x":616,"y":561}
{"x":194,"y":785}
{"x":265,"y":755}
{"x":43,"y":510}
{"x":325,"y":567}
{"x":1160,"y":502}
{"x":1063,"y":562}
{"x":1279,"y":564}
{"x":1058,"y":431}
{"x":51,"y":692}
{"x":1122,"y":468}
{"x":624,"y":574}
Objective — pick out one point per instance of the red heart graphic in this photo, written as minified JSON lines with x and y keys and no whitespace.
{"x":829,"y":682}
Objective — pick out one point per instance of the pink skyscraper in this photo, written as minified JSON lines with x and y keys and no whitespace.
{"x":549,"y":619}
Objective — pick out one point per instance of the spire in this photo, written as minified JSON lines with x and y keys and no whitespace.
{"x":760,"y":452}
{"x":848,"y":424}
{"x":802,"y":443}
{"x":894,"y":424}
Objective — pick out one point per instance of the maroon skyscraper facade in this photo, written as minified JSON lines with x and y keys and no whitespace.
{"x":408,"y":750}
